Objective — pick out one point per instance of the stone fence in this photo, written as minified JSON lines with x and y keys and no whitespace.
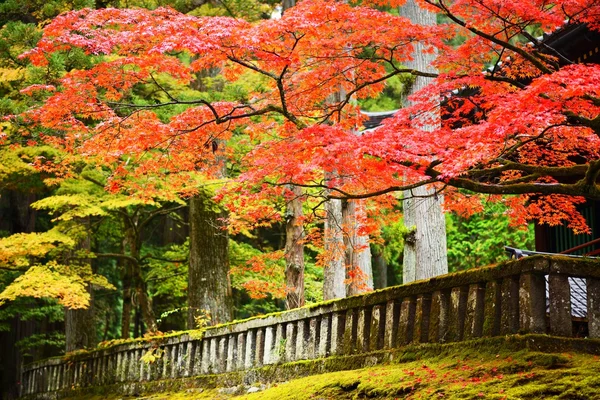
{"x":531,"y":295}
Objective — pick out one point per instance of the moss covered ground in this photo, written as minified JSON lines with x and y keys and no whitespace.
{"x":456,"y":373}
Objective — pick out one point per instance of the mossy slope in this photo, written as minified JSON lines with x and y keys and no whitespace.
{"x":484,"y":373}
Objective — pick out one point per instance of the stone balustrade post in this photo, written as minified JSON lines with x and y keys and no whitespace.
{"x":593,"y":307}
{"x":475,"y":311}
{"x":560,"y":305}
{"x":532,"y":303}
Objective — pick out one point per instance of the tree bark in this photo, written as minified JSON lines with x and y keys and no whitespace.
{"x":80,"y":329}
{"x":209,"y":288}
{"x":359,"y":271}
{"x":380,"y":276}
{"x":334,"y":273}
{"x":294,"y":251}
{"x":425,"y":253}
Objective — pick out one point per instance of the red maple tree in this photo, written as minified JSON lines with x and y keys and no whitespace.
{"x":518,"y":117}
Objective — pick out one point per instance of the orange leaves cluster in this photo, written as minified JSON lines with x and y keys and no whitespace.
{"x":301,"y":123}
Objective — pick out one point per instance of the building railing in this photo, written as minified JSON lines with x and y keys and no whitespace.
{"x":504,"y":299}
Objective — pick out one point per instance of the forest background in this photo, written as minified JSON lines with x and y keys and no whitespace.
{"x":128,"y":253}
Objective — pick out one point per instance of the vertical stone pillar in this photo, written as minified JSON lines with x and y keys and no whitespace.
{"x":492,"y":312}
{"x":269,"y":344}
{"x":593,"y":307}
{"x":214,"y":350}
{"x":290,"y":341}
{"x":560,"y":305}
{"x":166,"y":363}
{"x":119,"y":367}
{"x":313,"y":332}
{"x":301,"y":339}
{"x":422,"y":310}
{"x":392,"y":317}
{"x":350,"y":332}
{"x":509,"y":322}
{"x":241,"y":351}
{"x":324,"y":335}
{"x":338,"y":320}
{"x":475,"y":311}
{"x":438,"y":316}
{"x":407,"y":321}
{"x":532,"y":303}
{"x":377,"y":329}
{"x":363,"y":329}
{"x":189,"y":360}
{"x":221,"y":355}
{"x":231,"y":353}
{"x":260,"y":347}
{"x":250,"y":355}
{"x":458,"y":309}
{"x":278,"y":345}
{"x":205,"y":364}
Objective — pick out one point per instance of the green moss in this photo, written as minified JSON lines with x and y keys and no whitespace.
{"x":491,"y":368}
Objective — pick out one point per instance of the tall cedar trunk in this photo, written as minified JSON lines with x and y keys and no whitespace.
{"x":80,"y":327}
{"x":127,"y":298}
{"x":209,"y":289}
{"x":17,"y":217}
{"x":334,"y":273}
{"x":139,"y":285}
{"x":359,"y":273}
{"x":294,"y":251}
{"x":294,"y":232}
{"x":380,"y":276}
{"x":425,"y":253}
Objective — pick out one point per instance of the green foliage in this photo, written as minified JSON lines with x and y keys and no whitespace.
{"x":53,"y":339}
{"x":479,"y":240}
{"x":392,"y":96}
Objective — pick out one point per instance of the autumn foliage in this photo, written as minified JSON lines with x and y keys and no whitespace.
{"x":518,"y":118}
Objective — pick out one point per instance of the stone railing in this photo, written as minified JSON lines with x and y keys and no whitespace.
{"x":531,"y":295}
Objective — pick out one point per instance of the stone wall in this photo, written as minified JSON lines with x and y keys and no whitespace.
{"x":531,"y":295}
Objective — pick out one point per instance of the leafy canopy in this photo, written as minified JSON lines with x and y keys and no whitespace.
{"x":527,"y":126}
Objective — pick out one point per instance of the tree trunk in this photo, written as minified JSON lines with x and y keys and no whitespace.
{"x":209,"y":288}
{"x":334,"y":273}
{"x":80,"y":329}
{"x":425,"y":253}
{"x":380,"y":276}
{"x":127,"y":298}
{"x":286,"y":4}
{"x":294,"y":251}
{"x":359,"y":273}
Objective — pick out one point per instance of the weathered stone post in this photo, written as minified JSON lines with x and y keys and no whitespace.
{"x":350,"y":332}
{"x":560,"y":304}
{"x":363,"y":329}
{"x":492,"y":312}
{"x":509,"y":318}
{"x":392,"y":316}
{"x":269,"y":344}
{"x":407,"y":321}
{"x":475,"y":311}
{"x":232,"y":361}
{"x":593,"y":307}
{"x":337,"y":332}
{"x":324,"y":335}
{"x":532,"y":303}
{"x":422,"y":310}
{"x":438,"y":316}
{"x":250,"y":353}
{"x":377,"y":329}
{"x":301,"y":339}
{"x":290,"y":342}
